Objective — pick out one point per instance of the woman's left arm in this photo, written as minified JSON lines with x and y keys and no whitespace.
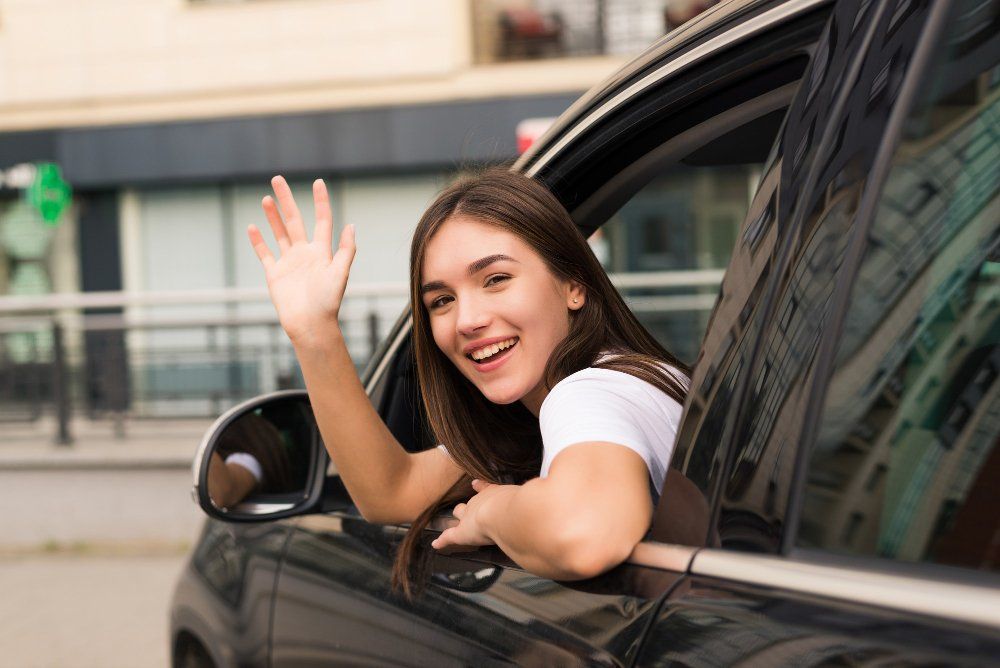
{"x":581,"y":520}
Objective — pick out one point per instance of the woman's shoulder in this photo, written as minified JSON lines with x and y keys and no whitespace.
{"x":607,"y":405}
{"x":599,"y":377}
{"x":596,"y":384}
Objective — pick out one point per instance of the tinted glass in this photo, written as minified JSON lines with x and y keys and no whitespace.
{"x":741,"y":429}
{"x":682,"y":221}
{"x":906,"y":465}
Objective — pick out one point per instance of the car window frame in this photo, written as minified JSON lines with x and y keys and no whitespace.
{"x":929,"y":591}
{"x":772,"y":291}
{"x":920,"y":65}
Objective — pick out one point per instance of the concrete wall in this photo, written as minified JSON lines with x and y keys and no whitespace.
{"x":67,"y":62}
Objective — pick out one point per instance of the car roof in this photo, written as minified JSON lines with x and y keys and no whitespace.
{"x":714,"y":21}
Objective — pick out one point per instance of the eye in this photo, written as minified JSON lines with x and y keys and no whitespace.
{"x":439,"y":302}
{"x":496,"y":279}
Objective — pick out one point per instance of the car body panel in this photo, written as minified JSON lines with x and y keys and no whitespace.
{"x":709,"y":621}
{"x":223,"y":597}
{"x":334,"y":604}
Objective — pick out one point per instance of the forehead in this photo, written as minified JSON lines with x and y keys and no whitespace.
{"x":462,"y":240}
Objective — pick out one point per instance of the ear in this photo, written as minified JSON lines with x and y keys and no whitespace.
{"x":576,"y":296}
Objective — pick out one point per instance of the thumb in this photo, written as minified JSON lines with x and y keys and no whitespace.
{"x":442,"y":540}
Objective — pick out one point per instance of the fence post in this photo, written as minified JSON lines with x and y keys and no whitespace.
{"x":373,"y":339}
{"x":601,"y":27}
{"x":60,"y":382}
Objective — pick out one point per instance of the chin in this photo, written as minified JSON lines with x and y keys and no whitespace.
{"x":499,"y":396}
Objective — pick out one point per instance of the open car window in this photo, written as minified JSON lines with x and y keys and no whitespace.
{"x":666,"y":182}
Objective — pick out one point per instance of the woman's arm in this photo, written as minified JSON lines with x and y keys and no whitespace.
{"x":581,"y":520}
{"x":306,"y":283}
{"x":228,"y":484}
{"x":387,"y":484}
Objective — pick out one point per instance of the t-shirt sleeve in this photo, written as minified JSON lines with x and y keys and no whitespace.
{"x":606,"y":405}
{"x":247,"y":461}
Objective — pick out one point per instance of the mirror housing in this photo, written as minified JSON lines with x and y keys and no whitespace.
{"x":262,"y":460}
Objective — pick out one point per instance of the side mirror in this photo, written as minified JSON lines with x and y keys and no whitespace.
{"x":262,"y":460}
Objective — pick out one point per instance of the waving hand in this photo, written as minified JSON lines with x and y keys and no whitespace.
{"x":307,"y":280}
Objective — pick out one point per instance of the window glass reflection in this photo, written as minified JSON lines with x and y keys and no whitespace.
{"x":906,"y":463}
{"x":685,"y":219}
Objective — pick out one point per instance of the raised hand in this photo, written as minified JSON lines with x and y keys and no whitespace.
{"x":307,"y":281}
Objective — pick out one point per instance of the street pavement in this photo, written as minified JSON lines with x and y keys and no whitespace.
{"x":86,"y":611}
{"x":92,"y":540}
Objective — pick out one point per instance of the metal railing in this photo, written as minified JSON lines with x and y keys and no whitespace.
{"x":511,"y":30}
{"x":124,"y":356}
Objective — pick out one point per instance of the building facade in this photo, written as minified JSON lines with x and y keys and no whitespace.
{"x":168,"y":118}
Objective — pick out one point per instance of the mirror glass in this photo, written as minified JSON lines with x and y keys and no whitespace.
{"x":263,"y":456}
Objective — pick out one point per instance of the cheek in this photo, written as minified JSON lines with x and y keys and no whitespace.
{"x":440,"y":333}
{"x":555,"y":315}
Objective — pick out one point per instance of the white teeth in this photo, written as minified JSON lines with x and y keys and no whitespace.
{"x":489,"y":351}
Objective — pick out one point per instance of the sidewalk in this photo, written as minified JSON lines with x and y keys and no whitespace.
{"x":102,"y":492}
{"x":145,"y":444}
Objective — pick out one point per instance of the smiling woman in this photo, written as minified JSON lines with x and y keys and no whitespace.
{"x":536,"y":378}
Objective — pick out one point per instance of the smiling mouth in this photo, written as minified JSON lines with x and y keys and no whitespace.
{"x":489,"y":358}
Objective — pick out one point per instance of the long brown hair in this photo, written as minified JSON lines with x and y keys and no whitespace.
{"x":502,"y":443}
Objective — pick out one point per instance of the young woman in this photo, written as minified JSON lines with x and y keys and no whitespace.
{"x":556,"y":409}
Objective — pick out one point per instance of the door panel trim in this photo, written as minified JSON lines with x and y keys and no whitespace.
{"x":664,"y":556}
{"x":935,"y":598}
{"x":388,"y":355}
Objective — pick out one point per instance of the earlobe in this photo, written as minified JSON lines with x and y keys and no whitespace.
{"x":577,"y":297}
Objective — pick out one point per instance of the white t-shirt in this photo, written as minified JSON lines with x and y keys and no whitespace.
{"x":605,"y":405}
{"x":611,"y":406}
{"x":247,"y":461}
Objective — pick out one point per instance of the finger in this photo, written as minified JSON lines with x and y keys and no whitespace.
{"x":459,"y":510}
{"x":479,"y":485}
{"x":324,"y":216}
{"x":444,"y":540}
{"x":348,"y":240}
{"x":344,"y":256}
{"x":293,"y":219}
{"x":260,"y":247}
{"x":274,"y":220}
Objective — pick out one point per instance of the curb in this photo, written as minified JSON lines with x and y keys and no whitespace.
{"x":96,"y":464}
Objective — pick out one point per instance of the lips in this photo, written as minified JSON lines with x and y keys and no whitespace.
{"x":495,"y":361}
{"x":488,"y":349}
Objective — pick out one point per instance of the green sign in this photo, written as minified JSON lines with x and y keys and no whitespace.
{"x":49,"y":192}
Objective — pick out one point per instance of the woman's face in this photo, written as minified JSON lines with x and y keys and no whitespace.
{"x":495,"y":309}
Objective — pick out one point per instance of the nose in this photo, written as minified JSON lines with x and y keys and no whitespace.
{"x":471,"y":316}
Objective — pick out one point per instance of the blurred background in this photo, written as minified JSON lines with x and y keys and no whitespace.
{"x":137,"y":138}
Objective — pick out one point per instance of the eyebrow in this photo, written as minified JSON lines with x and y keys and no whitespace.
{"x":473,"y":269}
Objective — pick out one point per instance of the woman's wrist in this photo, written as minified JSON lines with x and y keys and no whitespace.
{"x":318,"y":336}
{"x":495,"y":509}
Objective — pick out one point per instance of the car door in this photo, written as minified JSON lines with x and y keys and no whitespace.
{"x":844,"y":420}
{"x":700,"y":107}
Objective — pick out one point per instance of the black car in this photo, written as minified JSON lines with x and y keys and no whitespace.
{"x":833,"y":498}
